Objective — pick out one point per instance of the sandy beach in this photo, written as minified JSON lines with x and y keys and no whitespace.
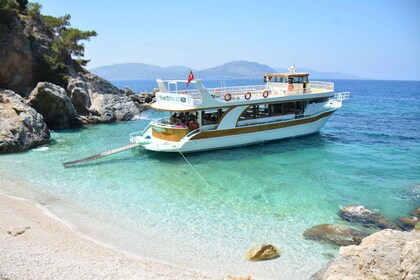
{"x":36,"y":245}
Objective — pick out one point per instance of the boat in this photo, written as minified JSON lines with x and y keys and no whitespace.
{"x":200,"y":118}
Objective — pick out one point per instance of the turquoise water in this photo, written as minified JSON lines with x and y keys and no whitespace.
{"x":154,"y":205}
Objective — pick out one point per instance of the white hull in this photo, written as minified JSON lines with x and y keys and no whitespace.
{"x":235,"y":140}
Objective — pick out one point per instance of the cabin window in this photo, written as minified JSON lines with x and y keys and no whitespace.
{"x":212,"y":116}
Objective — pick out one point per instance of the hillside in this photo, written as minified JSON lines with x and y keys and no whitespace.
{"x":231,"y":70}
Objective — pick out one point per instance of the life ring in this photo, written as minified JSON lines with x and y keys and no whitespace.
{"x":265,"y":94}
{"x":247,"y":95}
{"x":228,"y":97}
{"x":290,"y":87}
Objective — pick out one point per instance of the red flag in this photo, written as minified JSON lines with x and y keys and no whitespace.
{"x":190,"y":77}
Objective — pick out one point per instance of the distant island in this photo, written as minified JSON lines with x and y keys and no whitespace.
{"x":231,"y":70}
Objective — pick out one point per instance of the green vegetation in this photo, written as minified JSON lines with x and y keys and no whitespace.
{"x":66,"y":48}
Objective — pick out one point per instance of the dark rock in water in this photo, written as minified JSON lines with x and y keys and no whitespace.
{"x":262,"y":252}
{"x":366,"y":217}
{"x":52,"y":102}
{"x":416,"y":213}
{"x":21,"y":127}
{"x":407,"y":223}
{"x":335,"y":234}
{"x":387,"y":254}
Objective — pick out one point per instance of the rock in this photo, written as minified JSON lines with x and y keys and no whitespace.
{"x":52,"y":102}
{"x":388,"y":254}
{"x":262,"y":252}
{"x":17,"y":64}
{"x":248,"y":277}
{"x":128,"y":91}
{"x":416,"y":213}
{"x":79,"y":96}
{"x":21,"y":127}
{"x":17,"y":230}
{"x":107,"y":102}
{"x":366,"y":217}
{"x":335,"y":234}
{"x":407,"y":223}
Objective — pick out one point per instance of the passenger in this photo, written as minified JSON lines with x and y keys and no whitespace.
{"x":182,"y":117}
{"x":174,"y":118}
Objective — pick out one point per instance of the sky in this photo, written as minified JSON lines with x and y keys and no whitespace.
{"x":371,"y":38}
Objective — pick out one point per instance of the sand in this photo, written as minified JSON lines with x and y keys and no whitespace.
{"x":36,"y":245}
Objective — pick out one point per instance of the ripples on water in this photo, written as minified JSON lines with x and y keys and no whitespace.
{"x":155,"y":205}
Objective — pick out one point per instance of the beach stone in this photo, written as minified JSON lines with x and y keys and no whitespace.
{"x":262,"y":252}
{"x":387,"y":254}
{"x":21,"y":127}
{"x":335,"y":234}
{"x":17,"y":230}
{"x":360,"y":214}
{"x":53,"y":103}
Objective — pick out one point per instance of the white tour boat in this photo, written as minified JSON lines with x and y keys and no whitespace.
{"x":199,"y":119}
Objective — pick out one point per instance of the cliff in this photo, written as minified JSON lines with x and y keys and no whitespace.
{"x":47,"y":78}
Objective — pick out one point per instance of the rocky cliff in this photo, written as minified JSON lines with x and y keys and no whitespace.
{"x":64,"y":97}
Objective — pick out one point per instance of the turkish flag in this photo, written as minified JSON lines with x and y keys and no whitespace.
{"x":190,"y":77}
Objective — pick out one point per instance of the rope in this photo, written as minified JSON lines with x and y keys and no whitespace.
{"x":214,"y":191}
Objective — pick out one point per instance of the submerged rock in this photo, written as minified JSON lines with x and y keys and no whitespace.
{"x":410,"y":222}
{"x":21,"y":127}
{"x":387,"y":254}
{"x":335,"y":234}
{"x":262,"y":252}
{"x":52,"y":102}
{"x":366,"y":217}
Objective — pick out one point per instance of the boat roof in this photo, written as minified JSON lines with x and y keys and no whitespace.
{"x":287,"y":75}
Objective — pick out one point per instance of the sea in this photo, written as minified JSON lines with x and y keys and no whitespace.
{"x":156,"y":206}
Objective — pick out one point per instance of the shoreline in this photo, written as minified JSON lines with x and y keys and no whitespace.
{"x":49,"y":248}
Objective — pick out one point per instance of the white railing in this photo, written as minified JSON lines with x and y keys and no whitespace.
{"x":322,"y":85}
{"x":139,"y":133}
{"x":342,"y":96}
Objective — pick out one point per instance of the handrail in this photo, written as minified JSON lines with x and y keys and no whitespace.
{"x":140,"y":132}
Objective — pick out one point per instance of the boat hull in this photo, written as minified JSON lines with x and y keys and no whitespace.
{"x":233,"y":138}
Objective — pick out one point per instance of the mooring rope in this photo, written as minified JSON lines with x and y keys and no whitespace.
{"x":214,"y":191}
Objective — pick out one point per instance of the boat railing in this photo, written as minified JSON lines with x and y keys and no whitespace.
{"x":166,"y":122}
{"x":139,"y":133}
{"x":322,"y":85}
{"x":191,"y":133}
{"x":342,"y":96}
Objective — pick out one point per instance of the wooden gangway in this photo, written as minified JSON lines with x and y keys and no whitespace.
{"x":103,"y":154}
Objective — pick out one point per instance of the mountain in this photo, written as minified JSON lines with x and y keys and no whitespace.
{"x":314,"y":74}
{"x":236,"y":69}
{"x":231,"y":70}
{"x":137,"y":71}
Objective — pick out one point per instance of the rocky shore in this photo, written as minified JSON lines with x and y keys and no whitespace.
{"x":34,"y":99}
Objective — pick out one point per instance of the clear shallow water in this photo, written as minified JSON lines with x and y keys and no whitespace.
{"x":154,"y":204}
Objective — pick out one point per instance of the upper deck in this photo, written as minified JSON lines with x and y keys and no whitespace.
{"x":277,"y":87}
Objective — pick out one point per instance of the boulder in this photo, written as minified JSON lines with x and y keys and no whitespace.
{"x":128,"y":91}
{"x":79,"y":96}
{"x":366,"y":217}
{"x":21,"y":127}
{"x":108,"y":103}
{"x":335,"y":234}
{"x":262,"y":252}
{"x":388,"y":254}
{"x":17,"y":230}
{"x":52,"y":102}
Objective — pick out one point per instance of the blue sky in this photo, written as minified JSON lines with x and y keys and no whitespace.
{"x":373,"y":39}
